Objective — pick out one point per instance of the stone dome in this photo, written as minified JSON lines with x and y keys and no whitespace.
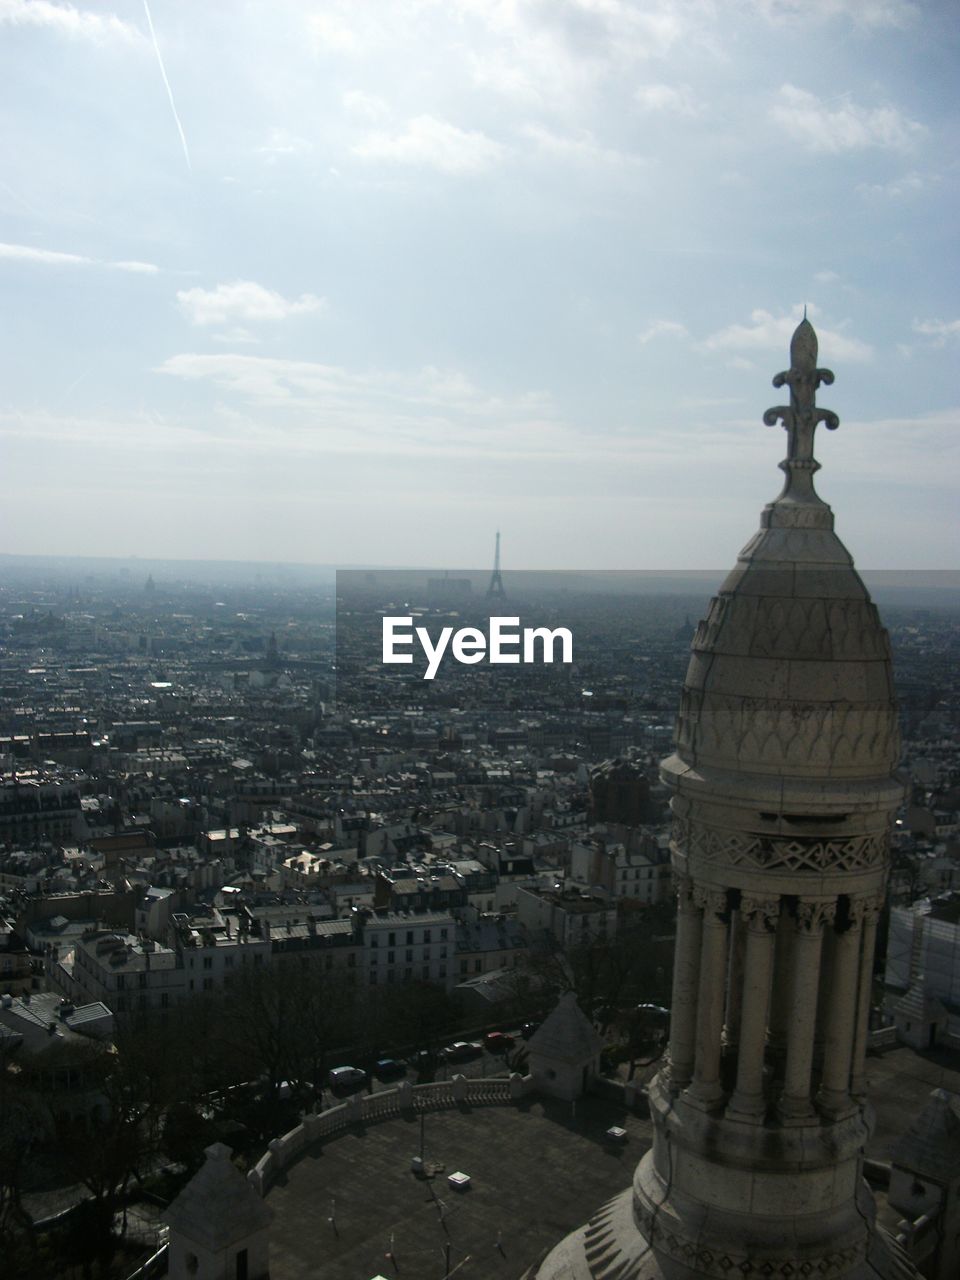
{"x":790,"y":674}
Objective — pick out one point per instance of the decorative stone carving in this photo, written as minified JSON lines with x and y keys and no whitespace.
{"x":682,"y":886}
{"x":765,"y":732}
{"x":710,"y":898}
{"x":726,"y":1264}
{"x":740,"y":849}
{"x":864,"y":909}
{"x":813,"y":916}
{"x":760,"y":913}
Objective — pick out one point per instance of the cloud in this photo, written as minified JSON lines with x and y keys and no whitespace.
{"x":767,"y":332}
{"x":433,"y":144}
{"x":367,"y":106}
{"x":66,"y":20}
{"x":666,"y":99}
{"x":826,"y":277}
{"x":281,"y":143}
{"x":862,"y":13}
{"x":846,"y":127}
{"x":662,"y":329}
{"x":581,"y":145}
{"x":242,"y":300}
{"x":939,"y":330}
{"x":54,"y":258}
{"x":430,"y":410}
{"x":907,"y":185}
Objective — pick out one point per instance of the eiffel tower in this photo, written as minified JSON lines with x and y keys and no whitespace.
{"x":495,"y":590}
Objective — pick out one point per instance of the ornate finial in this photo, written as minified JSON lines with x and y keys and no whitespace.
{"x":801,"y":416}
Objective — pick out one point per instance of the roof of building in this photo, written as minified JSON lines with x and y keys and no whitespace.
{"x":931,"y":1146}
{"x":567,"y":1035}
{"x":217,"y":1206}
{"x":919,"y":1005}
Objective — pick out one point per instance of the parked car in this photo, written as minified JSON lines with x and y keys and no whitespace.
{"x":346,"y":1077}
{"x":460,"y":1050}
{"x":389,"y":1068}
{"x":497,"y":1042}
{"x":424,"y":1061}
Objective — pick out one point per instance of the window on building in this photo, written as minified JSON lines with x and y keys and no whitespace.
{"x":208,"y":984}
{"x":121,"y":981}
{"x":443,"y":935}
{"x":208,"y":962}
{"x":374,"y":941}
{"x":409,"y":937}
{"x":391,"y":956}
{"x":426,"y":935}
{"x":352,"y":960}
{"x":164,"y":1000}
{"x":141,"y":979}
{"x":409,"y":955}
{"x":391,"y":940}
{"x":243,"y":1270}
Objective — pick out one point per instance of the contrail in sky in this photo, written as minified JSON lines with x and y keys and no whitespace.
{"x":166,"y":82}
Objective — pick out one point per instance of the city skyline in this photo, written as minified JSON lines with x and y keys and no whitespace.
{"x":312,"y":285}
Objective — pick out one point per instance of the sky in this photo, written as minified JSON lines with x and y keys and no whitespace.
{"x":346,"y":283}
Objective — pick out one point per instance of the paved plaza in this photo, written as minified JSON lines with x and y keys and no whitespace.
{"x":536,"y":1171}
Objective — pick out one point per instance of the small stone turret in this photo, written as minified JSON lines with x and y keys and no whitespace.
{"x":783,"y":796}
{"x":219,"y":1226}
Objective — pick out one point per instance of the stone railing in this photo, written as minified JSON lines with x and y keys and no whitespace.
{"x":155,"y":1265}
{"x":921,"y":1236}
{"x":386,"y":1105}
{"x":882,"y":1038}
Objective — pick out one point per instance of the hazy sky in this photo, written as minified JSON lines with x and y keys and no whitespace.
{"x":363,"y":281}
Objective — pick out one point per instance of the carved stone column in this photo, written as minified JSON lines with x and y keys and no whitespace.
{"x":840,"y":1021}
{"x":779,"y":1013}
{"x":760,"y":919}
{"x":735,"y":960}
{"x":795,"y":1104}
{"x":706,"y":1088}
{"x":686,"y":976}
{"x":869,"y":908}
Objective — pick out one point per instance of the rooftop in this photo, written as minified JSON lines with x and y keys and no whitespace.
{"x":363,"y":1181}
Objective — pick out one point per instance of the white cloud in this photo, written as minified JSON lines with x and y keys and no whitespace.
{"x":581,"y":145}
{"x":280,"y":142}
{"x":939,"y":330}
{"x":419,"y":400}
{"x":910,"y":184}
{"x":242,"y":300}
{"x":65,"y":19}
{"x":820,"y":126}
{"x":434,"y":144}
{"x":662,"y":329}
{"x":55,"y":258}
{"x":667,"y":99}
{"x":826,"y":277}
{"x":767,"y":332}
{"x":862,"y":13}
{"x":367,"y":106}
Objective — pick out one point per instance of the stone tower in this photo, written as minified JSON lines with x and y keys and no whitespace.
{"x":783,"y":795}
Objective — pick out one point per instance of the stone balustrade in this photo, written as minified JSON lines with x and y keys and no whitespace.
{"x":385,"y":1105}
